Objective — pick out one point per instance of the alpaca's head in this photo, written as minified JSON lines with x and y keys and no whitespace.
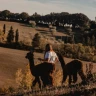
{"x":29,"y":55}
{"x":60,"y":57}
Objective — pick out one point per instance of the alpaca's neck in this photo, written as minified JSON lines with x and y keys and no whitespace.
{"x":62,"y":63}
{"x":61,"y":60}
{"x":32,"y":66}
{"x":31,"y":61}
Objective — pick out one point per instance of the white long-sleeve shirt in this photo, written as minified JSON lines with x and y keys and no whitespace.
{"x":51,"y":56}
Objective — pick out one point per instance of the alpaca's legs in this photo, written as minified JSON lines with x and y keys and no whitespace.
{"x":35,"y":81}
{"x":83,"y":77}
{"x":74,"y":77}
{"x":47,"y":80}
{"x":70,"y":79}
{"x":51,"y":81}
{"x":64,"y":78}
{"x":44,"y":80}
{"x":38,"y":80}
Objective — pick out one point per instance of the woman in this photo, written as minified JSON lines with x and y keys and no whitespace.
{"x":51,"y":57}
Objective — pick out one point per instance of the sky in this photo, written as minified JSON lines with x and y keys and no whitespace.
{"x":43,"y":7}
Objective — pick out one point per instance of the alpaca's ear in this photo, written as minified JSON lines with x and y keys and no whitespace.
{"x":26,"y":55}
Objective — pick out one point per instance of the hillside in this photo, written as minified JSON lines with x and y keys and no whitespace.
{"x":11,"y":60}
{"x":26,"y":33}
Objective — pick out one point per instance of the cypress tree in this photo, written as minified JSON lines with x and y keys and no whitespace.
{"x":10,"y":36}
{"x":17,"y":36}
{"x":4,"y":28}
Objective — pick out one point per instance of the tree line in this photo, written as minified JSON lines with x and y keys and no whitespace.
{"x":57,"y":19}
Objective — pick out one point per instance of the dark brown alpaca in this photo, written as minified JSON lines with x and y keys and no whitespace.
{"x":71,"y":69}
{"x":42,"y":70}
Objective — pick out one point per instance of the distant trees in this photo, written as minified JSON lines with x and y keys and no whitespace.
{"x":5,"y":14}
{"x":36,"y":40}
{"x":10,"y":36}
{"x":68,"y":30}
{"x":89,"y":41}
{"x":17,"y":36}
{"x":56,"y":19}
{"x":93,"y":43}
{"x":24,"y":16}
{"x":93,"y":25}
{"x":4,"y":28}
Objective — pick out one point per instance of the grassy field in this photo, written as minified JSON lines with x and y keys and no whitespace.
{"x":11,"y":60}
{"x":27,"y":33}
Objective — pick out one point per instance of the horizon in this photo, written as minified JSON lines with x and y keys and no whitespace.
{"x":43,"y":7}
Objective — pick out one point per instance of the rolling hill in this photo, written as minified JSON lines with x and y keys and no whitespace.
{"x":11,"y":60}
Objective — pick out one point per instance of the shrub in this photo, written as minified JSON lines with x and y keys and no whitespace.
{"x":36,"y":40}
{"x":88,"y":49}
{"x":94,"y":59}
{"x":43,"y":43}
{"x":52,"y":29}
{"x":32,"y":23}
{"x":87,"y":57}
{"x":24,"y":79}
{"x":19,"y":78}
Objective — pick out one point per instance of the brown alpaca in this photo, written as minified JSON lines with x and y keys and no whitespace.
{"x":43,"y":70}
{"x":71,"y":69}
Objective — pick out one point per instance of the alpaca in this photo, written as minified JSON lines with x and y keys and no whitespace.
{"x":71,"y":69}
{"x":43,"y":70}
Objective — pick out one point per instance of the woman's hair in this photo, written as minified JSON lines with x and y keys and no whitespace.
{"x":48,"y":47}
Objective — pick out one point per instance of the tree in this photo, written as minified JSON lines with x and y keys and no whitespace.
{"x":17,"y":36}
{"x":36,"y":40}
{"x":4,"y":28}
{"x":68,"y":30}
{"x":10,"y":36}
{"x":5,"y":13}
{"x":88,"y":41}
{"x":72,"y":41}
{"x":83,"y":41}
{"x":93,"y":41}
{"x":24,"y":16}
{"x":92,"y":24}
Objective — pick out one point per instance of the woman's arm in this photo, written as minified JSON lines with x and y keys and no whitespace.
{"x":45,"y":60}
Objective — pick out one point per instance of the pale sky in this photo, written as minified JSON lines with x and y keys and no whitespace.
{"x":88,"y":7}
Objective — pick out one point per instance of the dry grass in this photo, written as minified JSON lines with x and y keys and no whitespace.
{"x":11,"y":60}
{"x":24,"y":79}
{"x":27,"y":33}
